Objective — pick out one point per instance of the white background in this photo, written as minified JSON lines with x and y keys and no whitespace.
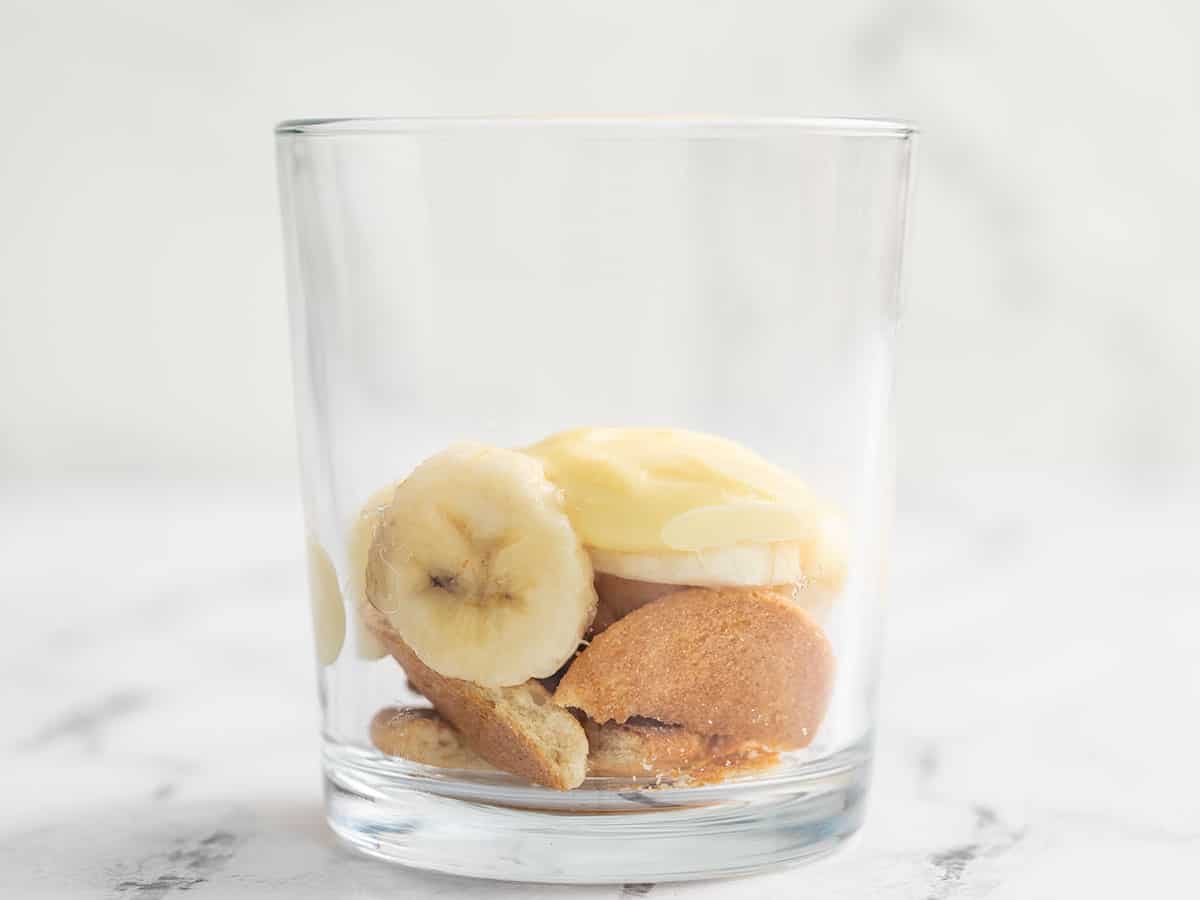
{"x":1052,"y":315}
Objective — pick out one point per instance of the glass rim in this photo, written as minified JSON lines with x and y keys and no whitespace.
{"x":690,"y":126}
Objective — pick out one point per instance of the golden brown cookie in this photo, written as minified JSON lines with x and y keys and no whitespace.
{"x":743,"y":662}
{"x":517,"y":729}
{"x":618,"y":597}
{"x":423,"y":736}
{"x":646,"y":747}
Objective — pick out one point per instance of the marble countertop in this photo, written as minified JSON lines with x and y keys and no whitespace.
{"x":1039,"y":736}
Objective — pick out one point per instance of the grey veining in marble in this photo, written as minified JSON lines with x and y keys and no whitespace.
{"x":1038,"y":738}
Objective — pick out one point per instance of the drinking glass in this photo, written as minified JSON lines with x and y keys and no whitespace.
{"x":674,"y":293}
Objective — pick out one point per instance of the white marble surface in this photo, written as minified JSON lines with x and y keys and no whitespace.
{"x":1039,"y":738}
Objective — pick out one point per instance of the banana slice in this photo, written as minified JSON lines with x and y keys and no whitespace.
{"x":328,"y":612}
{"x":626,"y":486}
{"x":742,"y":565}
{"x":362,"y":533}
{"x":818,"y":561}
{"x":680,"y":507}
{"x":753,"y":521}
{"x":476,"y":566}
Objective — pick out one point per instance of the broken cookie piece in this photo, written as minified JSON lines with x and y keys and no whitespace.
{"x":423,"y":736}
{"x":517,"y":729}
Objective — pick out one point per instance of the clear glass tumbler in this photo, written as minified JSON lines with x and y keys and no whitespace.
{"x":594,"y":425}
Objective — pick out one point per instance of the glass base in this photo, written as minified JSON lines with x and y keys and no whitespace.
{"x":607,"y":831}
